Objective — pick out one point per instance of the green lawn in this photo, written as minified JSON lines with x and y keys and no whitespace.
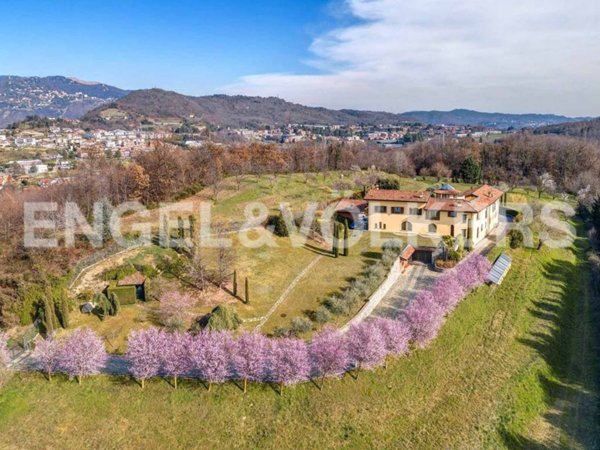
{"x":513,"y":367}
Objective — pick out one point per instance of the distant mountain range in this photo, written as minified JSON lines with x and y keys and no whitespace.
{"x":587,"y":129}
{"x":51,"y":97}
{"x":492,"y":120}
{"x":106,"y":106}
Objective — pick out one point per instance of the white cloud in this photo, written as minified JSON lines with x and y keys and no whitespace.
{"x":510,"y":55}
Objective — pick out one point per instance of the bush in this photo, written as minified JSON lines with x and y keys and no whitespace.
{"x":362,"y":288}
{"x":443,"y":264}
{"x":351,"y":297}
{"x":223,"y":317}
{"x":278,"y":225}
{"x":337,"y":305}
{"x":388,"y":183}
{"x":515,"y":238}
{"x":454,"y":255}
{"x":118,"y":273}
{"x":301,"y":325}
{"x":148,"y":271}
{"x":281,"y":332}
{"x":388,"y":258}
{"x":375,"y":271}
{"x":322,"y":315}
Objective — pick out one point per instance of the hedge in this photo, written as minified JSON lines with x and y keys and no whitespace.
{"x":126,"y":294}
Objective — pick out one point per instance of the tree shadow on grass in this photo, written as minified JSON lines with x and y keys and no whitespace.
{"x":568,"y":341}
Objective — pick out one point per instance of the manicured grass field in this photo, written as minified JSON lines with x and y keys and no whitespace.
{"x":515,"y":366}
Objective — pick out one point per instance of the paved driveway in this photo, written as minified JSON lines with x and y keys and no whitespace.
{"x":415,"y":279}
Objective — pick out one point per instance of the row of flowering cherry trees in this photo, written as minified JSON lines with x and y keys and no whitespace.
{"x":218,"y":356}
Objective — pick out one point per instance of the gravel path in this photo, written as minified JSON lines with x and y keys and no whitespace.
{"x":289,"y":289}
{"x":415,"y":279}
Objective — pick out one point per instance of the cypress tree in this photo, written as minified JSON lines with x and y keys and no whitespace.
{"x":65,"y":310}
{"x":165,"y":233}
{"x":48,"y":313}
{"x":246,"y":288}
{"x":336,"y":238}
{"x":192,"y":221}
{"x":116,"y":305}
{"x":180,"y":229}
{"x":346,"y":244}
{"x":108,"y":307}
{"x":235,"y":286}
{"x":52,"y":309}
{"x":596,"y":214}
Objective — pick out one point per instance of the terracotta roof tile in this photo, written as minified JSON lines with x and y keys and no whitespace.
{"x":135,"y":279}
{"x":449,"y":204}
{"x":393,"y":195}
{"x":351,"y":204}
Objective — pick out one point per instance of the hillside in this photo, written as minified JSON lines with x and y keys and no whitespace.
{"x":226,"y":111}
{"x":241,"y":111}
{"x":492,"y":120}
{"x":587,"y":129}
{"x":54,"y":96}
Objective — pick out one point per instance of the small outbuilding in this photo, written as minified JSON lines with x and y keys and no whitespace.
{"x":137,"y":281}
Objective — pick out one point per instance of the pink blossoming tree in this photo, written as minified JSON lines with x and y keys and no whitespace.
{"x":396,"y":335}
{"x":145,"y":350}
{"x":366,"y":345}
{"x":174,"y":309}
{"x":210,"y":355}
{"x":47,"y":355}
{"x":289,"y":362}
{"x":425,"y":317}
{"x":82,"y":354}
{"x":175,"y":358}
{"x":448,"y":291}
{"x":328,"y":354}
{"x":249,"y":361}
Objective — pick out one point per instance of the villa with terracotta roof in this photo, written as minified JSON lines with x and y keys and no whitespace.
{"x":472,"y":214}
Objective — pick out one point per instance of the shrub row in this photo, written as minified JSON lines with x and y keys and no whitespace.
{"x":361,"y":288}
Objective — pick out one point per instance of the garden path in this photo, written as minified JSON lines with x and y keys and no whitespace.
{"x":416,"y":278}
{"x":287,"y":292}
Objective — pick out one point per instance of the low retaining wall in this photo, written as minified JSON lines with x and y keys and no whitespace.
{"x":383,"y":289}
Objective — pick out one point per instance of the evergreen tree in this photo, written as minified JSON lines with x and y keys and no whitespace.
{"x":336,"y":239}
{"x":48,"y":316}
{"x":223,"y":317}
{"x":192,"y":221}
{"x":235,"y":286}
{"x":247,"y":289}
{"x":64,"y":310}
{"x":470,"y":171}
{"x":116,"y":305}
{"x":180,"y":228}
{"x":279,"y":226}
{"x":346,"y":243}
{"x":596,"y":214}
{"x":106,"y":212}
{"x":165,"y":233}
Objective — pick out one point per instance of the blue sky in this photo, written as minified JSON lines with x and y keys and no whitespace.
{"x":395,"y":55}
{"x":190,"y":46}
